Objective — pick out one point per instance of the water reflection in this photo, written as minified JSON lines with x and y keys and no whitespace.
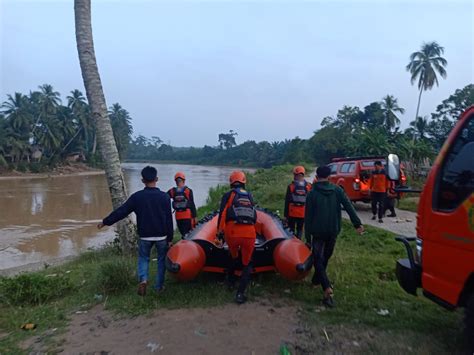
{"x":42,"y":219}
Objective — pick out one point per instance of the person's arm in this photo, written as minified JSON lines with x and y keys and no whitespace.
{"x":371,"y":181}
{"x":168,"y":221}
{"x":287,"y":202}
{"x":120,"y":213}
{"x":192,"y":205}
{"x":355,"y":220}
{"x":308,"y":218}
{"x":170,"y":193}
{"x":221,"y":218}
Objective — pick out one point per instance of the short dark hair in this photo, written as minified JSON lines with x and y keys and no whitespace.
{"x":323,"y":172}
{"x":378,"y":163}
{"x":149,"y":174}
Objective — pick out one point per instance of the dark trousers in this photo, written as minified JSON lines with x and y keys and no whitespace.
{"x":296,"y":226}
{"x":390,"y":205}
{"x":184,"y":226}
{"x":378,"y":203}
{"x":245,"y":276}
{"x":322,"y":252}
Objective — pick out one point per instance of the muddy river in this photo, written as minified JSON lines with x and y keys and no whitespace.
{"x":46,"y":219}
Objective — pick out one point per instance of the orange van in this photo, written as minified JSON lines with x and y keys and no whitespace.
{"x":352,"y":175}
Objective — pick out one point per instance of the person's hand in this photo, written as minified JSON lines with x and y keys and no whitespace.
{"x":170,"y":244}
{"x":360,"y":230}
{"x":194,"y":222}
{"x":220,"y":236}
{"x":100,"y":225}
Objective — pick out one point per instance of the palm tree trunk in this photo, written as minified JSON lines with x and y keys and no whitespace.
{"x":105,"y":137}
{"x":414,"y":134}
{"x":94,"y":144}
{"x":418,"y":106}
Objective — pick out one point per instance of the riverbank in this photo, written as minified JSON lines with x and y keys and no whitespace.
{"x":93,"y":298}
{"x":181,"y":162}
{"x":75,"y":169}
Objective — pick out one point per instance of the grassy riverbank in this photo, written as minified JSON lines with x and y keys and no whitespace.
{"x":362,"y":270}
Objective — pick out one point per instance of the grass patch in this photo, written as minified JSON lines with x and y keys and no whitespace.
{"x":33,"y":289}
{"x":115,"y":276}
{"x":362,"y":270}
{"x":409,"y":203}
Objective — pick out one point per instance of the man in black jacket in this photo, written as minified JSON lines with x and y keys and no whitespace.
{"x":154,"y":223}
{"x":323,"y":224}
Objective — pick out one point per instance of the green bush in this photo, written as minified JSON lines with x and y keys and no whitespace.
{"x":33,"y":288}
{"x":37,"y":167}
{"x":213,"y":200}
{"x":22,"y":167}
{"x":115,"y":276}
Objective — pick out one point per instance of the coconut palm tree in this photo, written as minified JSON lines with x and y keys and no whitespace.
{"x":390,"y":109}
{"x":418,"y":128}
{"x":80,"y":110}
{"x":17,"y":112}
{"x":425,"y":65}
{"x":49,"y":100}
{"x":122,"y":127}
{"x":98,"y":106}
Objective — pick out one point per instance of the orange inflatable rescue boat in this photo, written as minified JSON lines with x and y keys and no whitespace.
{"x":276,"y":249}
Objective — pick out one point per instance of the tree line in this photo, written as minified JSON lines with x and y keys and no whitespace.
{"x":371,"y":130}
{"x":38,"y":131}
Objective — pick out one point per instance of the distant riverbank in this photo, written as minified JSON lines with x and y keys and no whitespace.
{"x":180,"y":162}
{"x":61,"y":171}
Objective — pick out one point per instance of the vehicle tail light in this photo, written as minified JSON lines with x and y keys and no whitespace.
{"x":356,"y":184}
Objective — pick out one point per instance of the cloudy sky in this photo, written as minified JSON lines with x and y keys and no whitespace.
{"x":270,"y":70}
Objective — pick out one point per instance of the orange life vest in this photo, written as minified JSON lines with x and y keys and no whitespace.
{"x":238,"y":223}
{"x":181,"y":197}
{"x":378,"y":181}
{"x":298,"y":191}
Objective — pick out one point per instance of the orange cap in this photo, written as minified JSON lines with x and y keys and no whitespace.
{"x":179,"y":175}
{"x":237,"y":176}
{"x":299,"y":170}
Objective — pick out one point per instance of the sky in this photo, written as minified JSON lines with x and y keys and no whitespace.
{"x":269,"y":70}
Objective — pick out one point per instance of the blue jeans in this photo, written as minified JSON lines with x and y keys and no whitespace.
{"x":144,"y":250}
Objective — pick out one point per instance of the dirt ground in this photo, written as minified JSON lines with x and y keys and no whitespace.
{"x":254,"y":328}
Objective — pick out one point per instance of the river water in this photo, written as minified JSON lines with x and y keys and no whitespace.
{"x":45,"y":219}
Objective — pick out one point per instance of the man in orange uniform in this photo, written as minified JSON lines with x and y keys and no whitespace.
{"x":295,"y":201}
{"x":183,"y":204}
{"x":378,"y":185}
{"x":237,"y":218}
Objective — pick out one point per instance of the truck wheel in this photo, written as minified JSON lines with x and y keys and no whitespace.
{"x":469,"y":323}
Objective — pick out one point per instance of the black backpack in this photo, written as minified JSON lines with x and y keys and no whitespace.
{"x":242,"y":210}
{"x":180,"y":200}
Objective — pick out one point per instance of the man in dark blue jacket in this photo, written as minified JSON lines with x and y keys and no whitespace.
{"x":155,"y":226}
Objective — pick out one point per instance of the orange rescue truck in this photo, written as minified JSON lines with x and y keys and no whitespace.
{"x":443,"y":264}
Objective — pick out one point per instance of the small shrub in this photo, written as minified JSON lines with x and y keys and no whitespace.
{"x":115,"y":276}
{"x":22,"y":167}
{"x":33,"y":288}
{"x":37,"y":167}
